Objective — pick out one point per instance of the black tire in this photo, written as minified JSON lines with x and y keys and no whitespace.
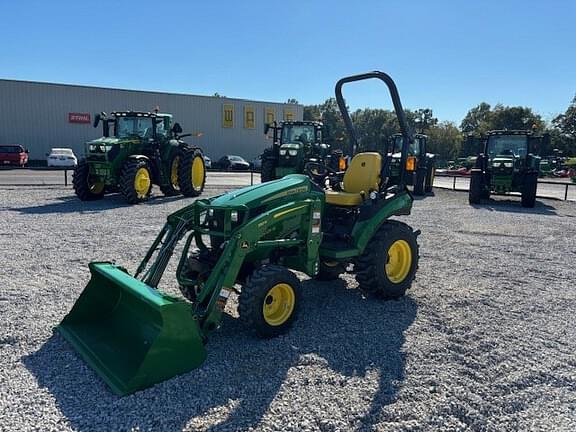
{"x":529,"y":190}
{"x":83,"y":187}
{"x":172,"y":188}
{"x":476,"y":187}
{"x":372,"y":273}
{"x":267,"y":171}
{"x":419,"y":180}
{"x":329,"y":270}
{"x":130,"y":170}
{"x":430,"y":174}
{"x":255,"y":294}
{"x":192,"y":185}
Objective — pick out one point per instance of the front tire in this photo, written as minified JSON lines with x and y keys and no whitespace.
{"x":267,"y":171}
{"x":419,"y":180}
{"x":86,"y":187}
{"x":388,"y":265}
{"x":529,"y":190}
{"x":476,"y":187}
{"x":431,"y":173}
{"x":192,"y":173}
{"x":136,"y":181}
{"x":172,"y":188}
{"x":269,"y":300}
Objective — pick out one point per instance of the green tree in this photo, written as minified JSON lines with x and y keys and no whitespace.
{"x":477,"y":120}
{"x":505,"y":117}
{"x":445,"y":140}
{"x":566,"y":123}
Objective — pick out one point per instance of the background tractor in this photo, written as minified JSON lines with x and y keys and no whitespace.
{"x":421,"y":165}
{"x":507,"y":164}
{"x":247,"y":242}
{"x":294,"y":144}
{"x":137,"y":150}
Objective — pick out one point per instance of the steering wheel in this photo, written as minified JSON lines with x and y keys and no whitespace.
{"x":318,"y":172}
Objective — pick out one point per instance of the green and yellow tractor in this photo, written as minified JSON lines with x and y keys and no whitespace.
{"x":420,"y":164}
{"x":248,"y":243}
{"x":137,"y":150}
{"x":507,"y":164}
{"x":294,"y":144}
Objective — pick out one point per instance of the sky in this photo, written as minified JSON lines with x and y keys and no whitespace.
{"x":444,"y":55}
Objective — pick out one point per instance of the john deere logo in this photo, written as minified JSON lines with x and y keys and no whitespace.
{"x":244,"y":245}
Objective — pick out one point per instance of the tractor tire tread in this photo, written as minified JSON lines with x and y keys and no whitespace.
{"x":369,"y":264}
{"x":126,"y":182}
{"x":80,"y":183}
{"x":184,"y":173}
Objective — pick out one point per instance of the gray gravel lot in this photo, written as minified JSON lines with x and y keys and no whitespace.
{"x":485,"y":340}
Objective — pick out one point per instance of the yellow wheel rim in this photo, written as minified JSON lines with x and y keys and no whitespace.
{"x":198,"y":172}
{"x":399,"y":261}
{"x":278,"y":304}
{"x":174,"y":172}
{"x":142,"y":182}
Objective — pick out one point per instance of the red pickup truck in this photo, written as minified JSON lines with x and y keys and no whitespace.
{"x":13,"y":154}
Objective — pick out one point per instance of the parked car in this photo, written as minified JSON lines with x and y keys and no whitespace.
{"x":207,"y":162}
{"x":13,"y":154}
{"x":232,"y":162}
{"x":62,"y":157}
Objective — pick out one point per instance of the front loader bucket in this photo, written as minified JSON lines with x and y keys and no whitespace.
{"x":133,"y":336}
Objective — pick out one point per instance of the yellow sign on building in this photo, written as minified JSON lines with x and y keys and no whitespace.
{"x":227,"y":115}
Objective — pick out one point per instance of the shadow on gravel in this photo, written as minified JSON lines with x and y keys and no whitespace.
{"x":338,"y":336}
{"x":71,"y":204}
{"x":514,"y":206}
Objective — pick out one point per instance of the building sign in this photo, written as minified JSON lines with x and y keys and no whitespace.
{"x":78,"y":117}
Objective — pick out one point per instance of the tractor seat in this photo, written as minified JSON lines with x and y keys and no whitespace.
{"x":361,"y":178}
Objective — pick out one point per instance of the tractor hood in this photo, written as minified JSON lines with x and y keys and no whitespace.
{"x":289,"y":188}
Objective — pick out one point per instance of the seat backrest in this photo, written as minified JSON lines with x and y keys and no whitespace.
{"x":363,"y":174}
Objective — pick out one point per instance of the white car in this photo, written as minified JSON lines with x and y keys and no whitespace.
{"x":207,"y":162}
{"x":62,"y":157}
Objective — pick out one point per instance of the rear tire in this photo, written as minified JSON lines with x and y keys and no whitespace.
{"x":269,"y":300}
{"x":267,"y":171}
{"x":419,"y":180}
{"x":529,"y":190}
{"x":84,"y":188}
{"x":136,"y":181}
{"x":192,"y":173}
{"x":388,"y":265}
{"x":476,"y":187}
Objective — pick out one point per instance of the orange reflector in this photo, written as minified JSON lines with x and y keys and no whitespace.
{"x":410,"y":163}
{"x":342,"y":164}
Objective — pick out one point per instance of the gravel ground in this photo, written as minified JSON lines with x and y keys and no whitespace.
{"x":485,"y":340}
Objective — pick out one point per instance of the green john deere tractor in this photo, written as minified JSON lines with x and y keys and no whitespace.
{"x":295,"y":143}
{"x":139,"y":149}
{"x":420,"y":164}
{"x":506,"y":165}
{"x":248,"y":242}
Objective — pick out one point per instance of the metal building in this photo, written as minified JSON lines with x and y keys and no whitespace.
{"x":40,"y":116}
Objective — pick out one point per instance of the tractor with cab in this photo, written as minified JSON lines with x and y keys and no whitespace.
{"x":420,"y":165}
{"x":136,"y":151}
{"x":507,"y":164}
{"x":295,"y":143}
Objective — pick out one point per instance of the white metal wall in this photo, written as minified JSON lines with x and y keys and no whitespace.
{"x":35,"y":115}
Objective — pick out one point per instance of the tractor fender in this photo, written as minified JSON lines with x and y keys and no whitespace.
{"x":138,"y":157}
{"x":371,"y":221}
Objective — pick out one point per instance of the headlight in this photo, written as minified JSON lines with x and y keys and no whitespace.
{"x":210,"y":212}
{"x":508,"y":164}
{"x":234,"y":216}
{"x":292,"y":152}
{"x":282,"y":152}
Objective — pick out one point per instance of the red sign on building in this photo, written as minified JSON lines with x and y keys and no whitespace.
{"x":78,"y":117}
